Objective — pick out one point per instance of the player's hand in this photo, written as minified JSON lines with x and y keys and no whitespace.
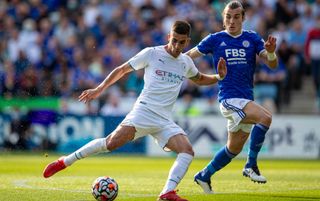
{"x":222,"y":68}
{"x":270,"y":44}
{"x":89,"y":94}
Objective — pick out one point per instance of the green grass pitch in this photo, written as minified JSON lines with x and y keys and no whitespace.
{"x":142,"y":178}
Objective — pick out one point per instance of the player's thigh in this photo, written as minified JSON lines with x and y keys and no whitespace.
{"x":120,"y":136}
{"x":232,"y":110}
{"x":180,"y":144}
{"x":255,"y":113}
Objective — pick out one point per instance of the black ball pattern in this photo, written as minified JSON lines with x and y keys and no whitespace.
{"x":105,"y":189}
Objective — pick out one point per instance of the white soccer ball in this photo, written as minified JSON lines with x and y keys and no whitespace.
{"x":105,"y":189}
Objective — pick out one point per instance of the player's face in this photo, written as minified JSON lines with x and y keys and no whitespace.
{"x":232,"y":21}
{"x":177,"y":43}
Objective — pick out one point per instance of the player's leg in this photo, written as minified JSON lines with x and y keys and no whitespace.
{"x":180,"y":144}
{"x":223,"y":157}
{"x":261,"y":118}
{"x":117,"y":138}
{"x":231,"y":109}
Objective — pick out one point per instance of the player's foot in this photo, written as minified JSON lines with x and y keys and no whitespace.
{"x":54,"y":167}
{"x":170,"y":196}
{"x":205,"y":185}
{"x":254,"y":174}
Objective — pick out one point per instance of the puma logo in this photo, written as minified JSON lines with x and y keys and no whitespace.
{"x":161,"y":61}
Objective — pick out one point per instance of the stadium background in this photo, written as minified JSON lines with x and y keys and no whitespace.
{"x":51,"y":50}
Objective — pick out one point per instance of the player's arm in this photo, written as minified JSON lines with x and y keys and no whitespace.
{"x":114,"y":76}
{"x":205,"y":79}
{"x":269,"y":56}
{"x":194,"y":53}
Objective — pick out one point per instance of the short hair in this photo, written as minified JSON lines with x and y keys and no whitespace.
{"x":181,"y":27}
{"x":234,"y":5}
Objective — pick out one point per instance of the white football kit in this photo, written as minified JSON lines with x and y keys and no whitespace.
{"x":163,"y":77}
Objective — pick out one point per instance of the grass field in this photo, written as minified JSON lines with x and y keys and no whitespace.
{"x":142,"y":178}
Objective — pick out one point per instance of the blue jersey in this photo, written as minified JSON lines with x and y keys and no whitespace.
{"x":240,"y":55}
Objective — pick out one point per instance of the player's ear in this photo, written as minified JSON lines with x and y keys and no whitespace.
{"x":168,"y":37}
{"x":188,"y":41}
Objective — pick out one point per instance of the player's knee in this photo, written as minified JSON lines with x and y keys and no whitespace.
{"x":112,"y":144}
{"x":188,"y":150}
{"x":267,"y":119}
{"x":118,"y":139}
{"x":235,"y":149}
{"x":235,"y":146}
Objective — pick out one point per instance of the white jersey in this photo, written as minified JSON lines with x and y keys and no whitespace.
{"x":163,"y":77}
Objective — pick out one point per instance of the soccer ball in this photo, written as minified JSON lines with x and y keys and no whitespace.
{"x":105,"y":189}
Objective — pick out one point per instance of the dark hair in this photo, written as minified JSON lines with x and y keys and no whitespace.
{"x":234,"y":5}
{"x":181,"y":27}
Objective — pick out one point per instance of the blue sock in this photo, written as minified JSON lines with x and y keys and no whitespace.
{"x":256,"y":141}
{"x":221,"y":159}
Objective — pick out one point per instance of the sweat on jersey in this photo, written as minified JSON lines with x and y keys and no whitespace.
{"x":163,"y":78}
{"x":240,"y":55}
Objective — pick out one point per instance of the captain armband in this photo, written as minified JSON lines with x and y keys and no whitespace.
{"x":271,"y":56}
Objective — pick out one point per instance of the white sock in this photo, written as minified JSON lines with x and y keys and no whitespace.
{"x":92,"y":147}
{"x":177,"y":172}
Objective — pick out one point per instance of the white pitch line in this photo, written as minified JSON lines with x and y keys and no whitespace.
{"x":23,"y":184}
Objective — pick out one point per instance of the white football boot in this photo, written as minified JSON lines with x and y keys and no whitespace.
{"x":205,"y":185}
{"x":254,"y":174}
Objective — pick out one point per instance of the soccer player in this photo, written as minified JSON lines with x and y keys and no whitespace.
{"x":165,"y":70}
{"x":239,"y":48}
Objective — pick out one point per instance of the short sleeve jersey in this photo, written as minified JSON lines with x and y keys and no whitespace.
{"x":163,"y":77}
{"x":240,"y":54}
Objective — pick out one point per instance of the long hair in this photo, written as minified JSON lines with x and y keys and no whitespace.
{"x":234,"y":5}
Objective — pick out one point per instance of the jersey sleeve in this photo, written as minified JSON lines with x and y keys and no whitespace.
{"x":205,"y":46}
{"x":259,"y":42}
{"x":141,"y":60}
{"x":192,"y":69}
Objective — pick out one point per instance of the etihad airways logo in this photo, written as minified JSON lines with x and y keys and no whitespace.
{"x":169,"y":76}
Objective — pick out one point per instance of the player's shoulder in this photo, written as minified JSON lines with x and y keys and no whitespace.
{"x":154,"y":48}
{"x":216,"y":34}
{"x":151,"y":50}
{"x":187,"y":61}
{"x":219,"y":34}
{"x":215,"y":37}
{"x":253,"y":36}
{"x":186,"y":58}
{"x":250,"y":33}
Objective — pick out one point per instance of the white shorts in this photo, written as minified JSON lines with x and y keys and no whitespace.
{"x":147,"y":122}
{"x":232,"y":110}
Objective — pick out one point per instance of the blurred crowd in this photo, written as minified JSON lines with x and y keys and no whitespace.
{"x":58,"y":48}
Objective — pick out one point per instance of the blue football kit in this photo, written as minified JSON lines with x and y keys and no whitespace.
{"x":240,"y":54}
